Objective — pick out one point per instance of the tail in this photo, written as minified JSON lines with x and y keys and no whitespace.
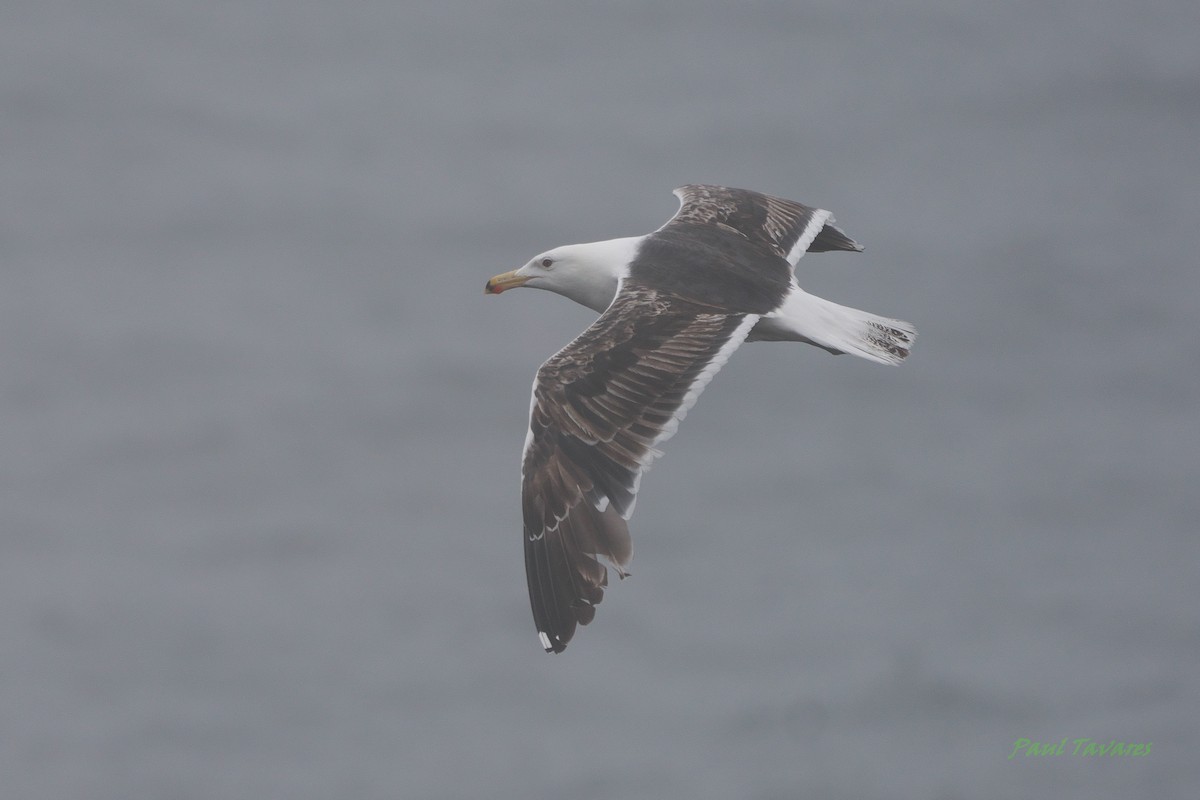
{"x":839,"y":329}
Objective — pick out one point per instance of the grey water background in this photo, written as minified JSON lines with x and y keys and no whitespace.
{"x":260,"y":529}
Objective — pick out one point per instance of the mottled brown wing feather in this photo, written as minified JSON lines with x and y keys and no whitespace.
{"x":600,"y":406}
{"x":773,"y":222}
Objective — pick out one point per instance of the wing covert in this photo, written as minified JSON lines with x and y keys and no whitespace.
{"x":787,"y":228}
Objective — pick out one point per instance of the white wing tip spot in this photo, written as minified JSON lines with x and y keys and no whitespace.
{"x":545,"y":640}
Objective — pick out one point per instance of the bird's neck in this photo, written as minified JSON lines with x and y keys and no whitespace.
{"x":610,"y":260}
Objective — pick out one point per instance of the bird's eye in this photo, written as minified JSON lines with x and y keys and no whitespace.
{"x":547,"y":262}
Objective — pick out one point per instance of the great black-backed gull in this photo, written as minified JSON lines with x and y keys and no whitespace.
{"x":675,"y":304}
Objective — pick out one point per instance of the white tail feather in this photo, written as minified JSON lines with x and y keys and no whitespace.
{"x":840,"y":329}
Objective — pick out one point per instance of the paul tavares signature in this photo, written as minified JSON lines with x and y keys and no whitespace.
{"x":1078,"y":747}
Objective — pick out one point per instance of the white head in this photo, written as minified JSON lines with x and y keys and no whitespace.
{"x":586,"y":273}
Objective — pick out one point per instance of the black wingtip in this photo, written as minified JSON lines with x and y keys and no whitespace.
{"x":832,"y":237}
{"x":551,"y":645}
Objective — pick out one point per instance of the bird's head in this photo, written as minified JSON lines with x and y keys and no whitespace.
{"x":544,"y":271}
{"x":585,"y":273}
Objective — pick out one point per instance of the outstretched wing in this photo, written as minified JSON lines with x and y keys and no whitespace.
{"x":600,"y":407}
{"x":787,"y":228}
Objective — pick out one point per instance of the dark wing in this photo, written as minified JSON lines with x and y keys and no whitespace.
{"x":600,"y":407}
{"x":788,"y":228}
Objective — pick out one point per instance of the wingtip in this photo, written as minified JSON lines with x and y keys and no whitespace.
{"x":550,"y":646}
{"x":831,"y":237}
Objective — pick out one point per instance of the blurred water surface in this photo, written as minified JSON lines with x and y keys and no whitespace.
{"x":260,"y":528}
